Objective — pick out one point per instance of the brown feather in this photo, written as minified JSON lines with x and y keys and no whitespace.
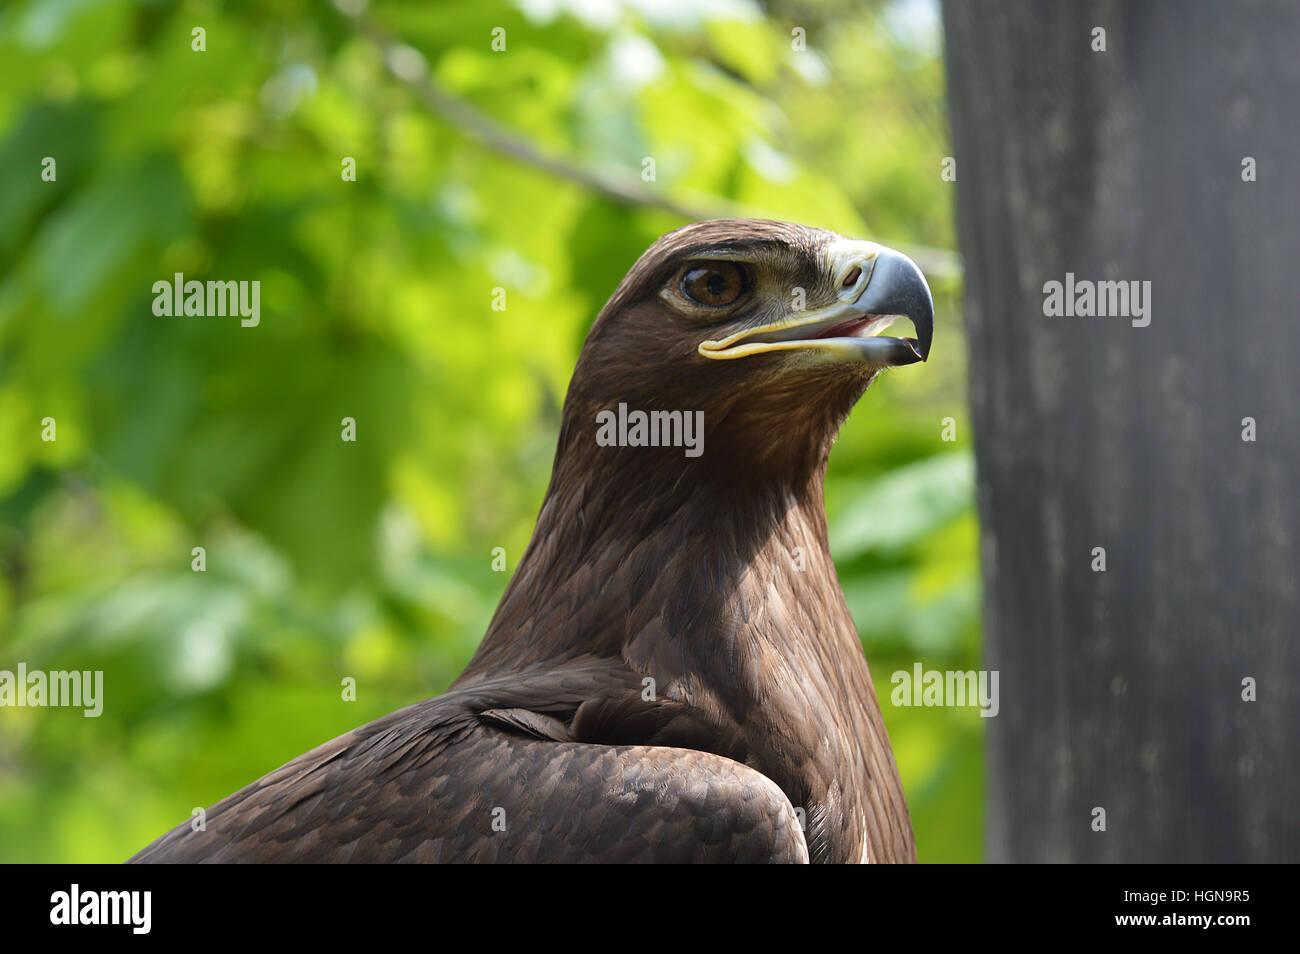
{"x":660,"y":681}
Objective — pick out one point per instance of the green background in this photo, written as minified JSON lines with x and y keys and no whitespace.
{"x":373,"y":559}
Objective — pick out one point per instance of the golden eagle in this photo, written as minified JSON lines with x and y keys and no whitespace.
{"x":672,"y":674}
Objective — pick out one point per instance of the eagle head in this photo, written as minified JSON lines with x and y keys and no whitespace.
{"x":772,"y":330}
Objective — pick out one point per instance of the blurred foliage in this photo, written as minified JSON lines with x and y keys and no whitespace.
{"x":373,"y":560}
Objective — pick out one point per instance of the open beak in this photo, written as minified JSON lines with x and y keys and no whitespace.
{"x":876,"y":286}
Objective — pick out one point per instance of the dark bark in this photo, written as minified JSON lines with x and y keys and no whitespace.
{"x":1123,"y":689}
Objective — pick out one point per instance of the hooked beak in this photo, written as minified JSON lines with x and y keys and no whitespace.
{"x":876,"y":286}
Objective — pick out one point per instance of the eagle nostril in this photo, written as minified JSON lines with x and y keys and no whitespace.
{"x":852,"y":277}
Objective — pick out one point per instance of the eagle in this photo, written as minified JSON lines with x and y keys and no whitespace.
{"x":672,"y":674}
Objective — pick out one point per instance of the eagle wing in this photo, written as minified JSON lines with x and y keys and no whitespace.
{"x":493,"y":772}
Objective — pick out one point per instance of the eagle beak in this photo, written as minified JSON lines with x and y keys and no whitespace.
{"x":897,"y":287}
{"x":876,"y":286}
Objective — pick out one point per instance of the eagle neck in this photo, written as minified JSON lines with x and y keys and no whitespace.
{"x":717,"y":583}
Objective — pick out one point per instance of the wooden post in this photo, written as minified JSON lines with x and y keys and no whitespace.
{"x":1165,"y":150}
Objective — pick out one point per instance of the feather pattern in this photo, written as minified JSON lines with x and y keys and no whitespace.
{"x":672,"y":674}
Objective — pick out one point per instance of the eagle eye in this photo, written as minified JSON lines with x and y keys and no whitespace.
{"x":713,"y":283}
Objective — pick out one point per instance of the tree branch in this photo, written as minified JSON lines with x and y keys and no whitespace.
{"x":408,"y":66}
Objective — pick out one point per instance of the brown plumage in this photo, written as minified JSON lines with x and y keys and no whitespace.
{"x":672,"y":673}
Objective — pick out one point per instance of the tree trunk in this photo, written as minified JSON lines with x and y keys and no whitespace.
{"x":1122,"y":689}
